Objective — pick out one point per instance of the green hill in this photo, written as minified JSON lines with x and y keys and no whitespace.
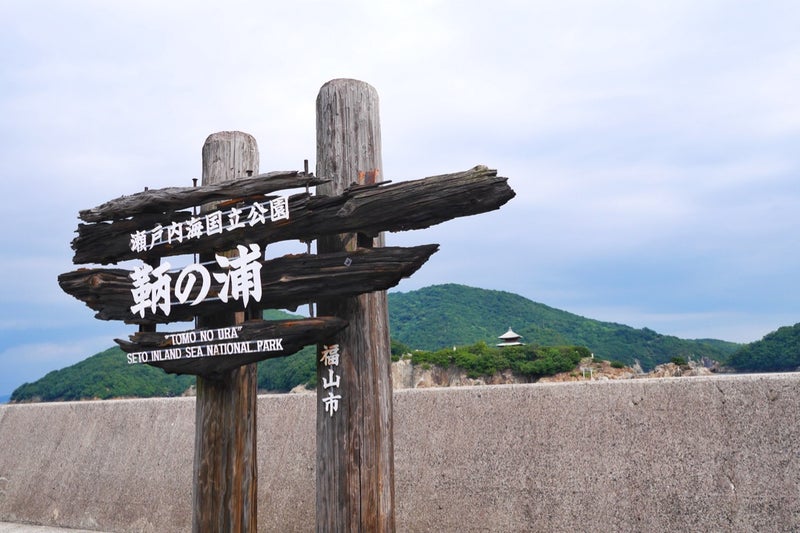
{"x":108,"y":375}
{"x":454,"y":315}
{"x":776,"y":352}
{"x":102,"y":376}
{"x":436,"y":317}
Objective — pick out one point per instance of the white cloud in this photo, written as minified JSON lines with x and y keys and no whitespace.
{"x":32,"y":361}
{"x":652,"y":145}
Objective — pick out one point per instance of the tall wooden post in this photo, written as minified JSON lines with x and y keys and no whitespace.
{"x":355,"y":448}
{"x":225,"y":468}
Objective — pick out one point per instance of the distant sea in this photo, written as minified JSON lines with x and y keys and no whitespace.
{"x":4,"y":399}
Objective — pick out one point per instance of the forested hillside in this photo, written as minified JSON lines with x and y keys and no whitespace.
{"x":104,"y":375}
{"x":441,"y":316}
{"x":777,"y":351}
{"x":108,"y":375}
{"x":454,"y":315}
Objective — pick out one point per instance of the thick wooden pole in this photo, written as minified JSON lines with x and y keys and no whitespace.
{"x":355,"y":449}
{"x":225,"y":468}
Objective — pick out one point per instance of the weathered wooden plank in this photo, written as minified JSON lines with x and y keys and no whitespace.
{"x":400,"y":206}
{"x":225,"y":473}
{"x":293,"y":336}
{"x":286,"y":282}
{"x":175,"y":198}
{"x":225,"y":462}
{"x":248,"y":330}
{"x":355,"y":446}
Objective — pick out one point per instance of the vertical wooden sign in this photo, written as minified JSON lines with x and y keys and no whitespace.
{"x":225,"y":467}
{"x":355,"y":448}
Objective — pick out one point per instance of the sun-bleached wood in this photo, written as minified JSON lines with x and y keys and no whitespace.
{"x":355,"y":451}
{"x":173,"y":198}
{"x":225,"y":475}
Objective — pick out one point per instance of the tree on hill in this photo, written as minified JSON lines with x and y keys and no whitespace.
{"x":282,"y":374}
{"x":483,"y":360}
{"x":778,"y":351}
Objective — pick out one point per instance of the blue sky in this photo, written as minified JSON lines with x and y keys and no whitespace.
{"x":653,"y":146}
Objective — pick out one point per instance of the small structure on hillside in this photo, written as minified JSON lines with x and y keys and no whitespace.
{"x":509,"y":338}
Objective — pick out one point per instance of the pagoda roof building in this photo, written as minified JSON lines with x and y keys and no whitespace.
{"x":509,"y":338}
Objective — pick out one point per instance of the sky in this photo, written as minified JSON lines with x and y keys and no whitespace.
{"x":653,"y":146}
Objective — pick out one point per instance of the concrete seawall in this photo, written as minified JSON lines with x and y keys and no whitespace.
{"x":683,"y":454}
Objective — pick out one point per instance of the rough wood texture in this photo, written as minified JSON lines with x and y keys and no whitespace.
{"x":225,"y":468}
{"x":366,"y":208}
{"x":355,"y":451}
{"x":286,"y":282}
{"x":174,"y":198}
{"x":294,"y":334}
{"x":248,"y":330}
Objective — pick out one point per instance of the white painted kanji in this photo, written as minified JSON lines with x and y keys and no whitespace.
{"x":258,"y":214}
{"x":279,"y":208}
{"x":175,"y":232}
{"x":331,"y":402}
{"x":156,"y":236}
{"x":186,"y":281}
{"x":151,"y":289}
{"x":235,"y":219}
{"x":241,"y":280}
{"x":331,"y":381}
{"x":330,"y":355}
{"x":139,"y":241}
{"x":330,"y":358}
{"x":243,"y":277}
{"x":213,"y":223}
{"x":194,"y":228}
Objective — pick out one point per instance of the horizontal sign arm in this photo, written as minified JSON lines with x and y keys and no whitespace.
{"x":286,"y":282}
{"x":402,"y":206}
{"x":197,"y":351}
{"x":174,"y":198}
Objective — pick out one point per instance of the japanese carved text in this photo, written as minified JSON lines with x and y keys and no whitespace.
{"x":153,"y":288}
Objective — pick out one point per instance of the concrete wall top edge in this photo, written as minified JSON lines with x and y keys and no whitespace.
{"x":116,"y":401}
{"x":776,"y":376}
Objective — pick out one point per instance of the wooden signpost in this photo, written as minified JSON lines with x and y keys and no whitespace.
{"x":230,"y":282}
{"x":225,"y":475}
{"x":355,"y":440}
